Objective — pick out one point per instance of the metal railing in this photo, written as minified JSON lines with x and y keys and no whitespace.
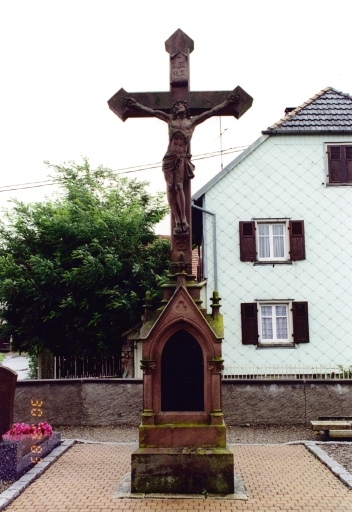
{"x":287,"y":372}
{"x":81,"y":367}
{"x":78,"y":367}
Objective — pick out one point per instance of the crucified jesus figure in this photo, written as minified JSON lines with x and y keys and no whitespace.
{"x":177,"y":165}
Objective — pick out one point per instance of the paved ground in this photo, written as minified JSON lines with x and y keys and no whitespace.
{"x":18,"y":363}
{"x":277,"y":478}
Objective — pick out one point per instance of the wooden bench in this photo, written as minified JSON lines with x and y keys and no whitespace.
{"x":335,"y":428}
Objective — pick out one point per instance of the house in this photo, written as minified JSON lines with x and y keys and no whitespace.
{"x":281,"y":253}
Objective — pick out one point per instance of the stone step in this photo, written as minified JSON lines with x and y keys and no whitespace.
{"x":347,"y":434}
{"x":331,"y":425}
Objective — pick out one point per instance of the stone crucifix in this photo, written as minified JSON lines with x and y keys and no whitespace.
{"x":183,"y":110}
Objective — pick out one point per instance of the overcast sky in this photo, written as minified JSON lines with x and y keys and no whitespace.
{"x":61,"y":60}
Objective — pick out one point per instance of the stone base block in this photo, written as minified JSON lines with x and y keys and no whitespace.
{"x":179,"y":435}
{"x":182,"y":470}
{"x":17,"y":457}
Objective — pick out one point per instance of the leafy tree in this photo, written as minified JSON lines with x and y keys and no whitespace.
{"x":74,"y":270}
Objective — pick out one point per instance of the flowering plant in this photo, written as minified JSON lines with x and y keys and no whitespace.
{"x":23,"y":429}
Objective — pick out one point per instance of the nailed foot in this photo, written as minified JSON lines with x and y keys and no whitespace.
{"x":185,"y":225}
{"x":181,"y":226}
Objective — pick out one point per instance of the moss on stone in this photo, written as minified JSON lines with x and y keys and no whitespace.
{"x":217,"y":324}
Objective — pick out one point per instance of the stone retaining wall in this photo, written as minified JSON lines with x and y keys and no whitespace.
{"x":98,"y":402}
{"x":286,"y":402}
{"x":94,"y":402}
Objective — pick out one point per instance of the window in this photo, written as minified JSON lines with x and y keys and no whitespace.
{"x":272,"y":241}
{"x":339,"y":164}
{"x":274,"y":323}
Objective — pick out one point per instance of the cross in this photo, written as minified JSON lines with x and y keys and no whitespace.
{"x":166,"y":106}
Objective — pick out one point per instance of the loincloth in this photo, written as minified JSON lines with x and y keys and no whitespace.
{"x":173,"y":163}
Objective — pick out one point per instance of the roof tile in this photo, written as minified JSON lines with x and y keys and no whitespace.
{"x":329,"y":110}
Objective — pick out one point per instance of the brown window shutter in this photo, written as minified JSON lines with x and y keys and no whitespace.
{"x":300,"y":322}
{"x":297,"y":244}
{"x":348,"y":155}
{"x":249,"y":323}
{"x":247,"y":241}
{"x":336,"y":164}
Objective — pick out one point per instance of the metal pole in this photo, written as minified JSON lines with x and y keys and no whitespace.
{"x":215,"y":257}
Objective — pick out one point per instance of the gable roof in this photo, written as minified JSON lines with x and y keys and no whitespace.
{"x":181,"y":308}
{"x":328,"y":111}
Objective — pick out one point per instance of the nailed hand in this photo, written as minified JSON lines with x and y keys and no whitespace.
{"x":233,"y":98}
{"x":129,"y":102}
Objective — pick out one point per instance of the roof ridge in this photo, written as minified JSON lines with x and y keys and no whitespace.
{"x":340,"y":92}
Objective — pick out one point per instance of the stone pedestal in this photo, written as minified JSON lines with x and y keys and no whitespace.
{"x":182,"y":435}
{"x":182,"y":470}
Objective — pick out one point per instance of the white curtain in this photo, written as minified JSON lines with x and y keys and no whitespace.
{"x":267,"y":323}
{"x":278,"y":240}
{"x":281,"y":322}
{"x":264,"y":241}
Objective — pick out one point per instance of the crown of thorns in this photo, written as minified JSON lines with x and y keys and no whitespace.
{"x":185,"y":104}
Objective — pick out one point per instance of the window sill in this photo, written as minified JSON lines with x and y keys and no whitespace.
{"x":339,"y":184}
{"x":273,"y":263}
{"x":275,"y":345}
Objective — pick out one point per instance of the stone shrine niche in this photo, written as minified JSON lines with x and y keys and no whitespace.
{"x":182,"y":374}
{"x":181,"y":360}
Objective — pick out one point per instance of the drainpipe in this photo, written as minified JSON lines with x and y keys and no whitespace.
{"x":215,"y":257}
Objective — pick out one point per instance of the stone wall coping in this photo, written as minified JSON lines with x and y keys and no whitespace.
{"x":298,"y":382}
{"x":90,"y":380}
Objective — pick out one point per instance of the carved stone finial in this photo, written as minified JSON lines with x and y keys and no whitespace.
{"x":147,"y":307}
{"x":215,"y":306}
{"x":216,"y":298}
{"x":181,"y":265}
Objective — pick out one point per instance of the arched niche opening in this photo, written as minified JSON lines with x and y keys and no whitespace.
{"x":182,"y":374}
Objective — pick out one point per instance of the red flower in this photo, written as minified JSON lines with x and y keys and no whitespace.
{"x":19,"y":429}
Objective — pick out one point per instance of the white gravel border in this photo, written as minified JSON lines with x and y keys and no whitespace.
{"x":329,"y":462}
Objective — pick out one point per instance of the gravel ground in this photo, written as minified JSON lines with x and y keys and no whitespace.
{"x":341,"y":453}
{"x":4,"y":484}
{"x":245,"y":434}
